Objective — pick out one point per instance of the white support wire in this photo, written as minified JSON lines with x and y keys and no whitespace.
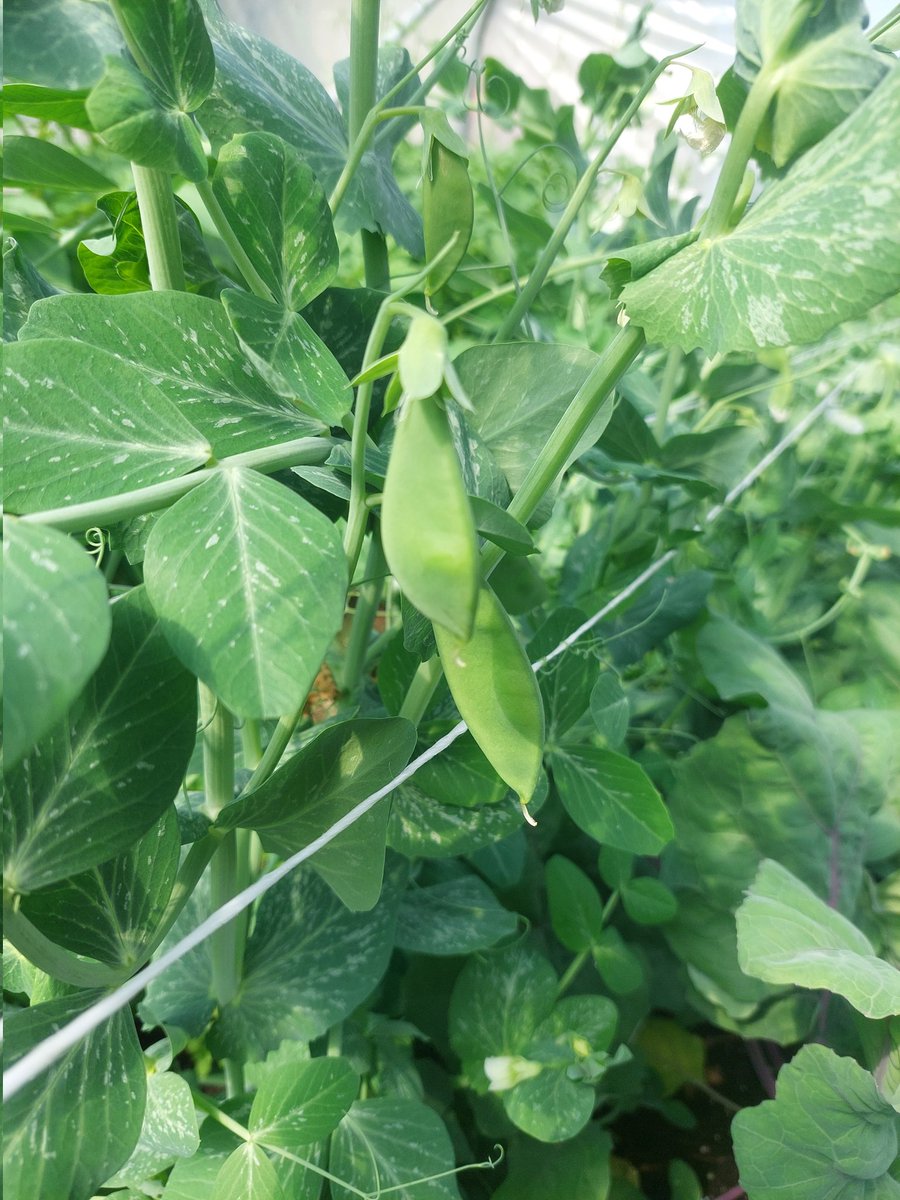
{"x":52,"y":1048}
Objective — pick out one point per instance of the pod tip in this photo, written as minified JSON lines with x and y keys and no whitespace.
{"x":528,"y":817}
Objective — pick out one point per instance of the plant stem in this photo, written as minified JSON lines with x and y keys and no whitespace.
{"x":56,"y":960}
{"x":571,"y":972}
{"x":717,"y":218}
{"x":548,"y":255}
{"x":568,"y":266}
{"x":111,"y":509}
{"x":860,"y":572}
{"x":666,"y":392}
{"x":420,"y":691}
{"x":368,"y":599}
{"x":252,"y":278}
{"x":159,"y":223}
{"x":226,"y":951}
{"x":365,"y":16}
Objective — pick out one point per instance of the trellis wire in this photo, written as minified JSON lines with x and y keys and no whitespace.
{"x":47,"y":1052}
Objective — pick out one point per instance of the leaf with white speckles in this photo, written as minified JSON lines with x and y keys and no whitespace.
{"x":108,"y":771}
{"x":56,"y":624}
{"x":341,"y":766}
{"x":822,"y":245}
{"x":454,"y":916}
{"x":390,"y":1143}
{"x":302,"y":1102}
{"x":290,"y":356}
{"x":69,"y":1129}
{"x":279,"y":214}
{"x":169,"y":1131}
{"x":247,"y":1174}
{"x":82,"y":425}
{"x":185,"y":346}
{"x":249,"y":580}
{"x":309,"y":963}
{"x":112,"y":912}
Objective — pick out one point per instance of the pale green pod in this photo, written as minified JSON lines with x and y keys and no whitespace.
{"x":427,"y":528}
{"x":497,"y":694}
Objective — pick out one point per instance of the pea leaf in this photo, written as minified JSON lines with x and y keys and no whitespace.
{"x":423,"y":827}
{"x":289,"y":356}
{"x":84,"y":425}
{"x":47,"y":103}
{"x":611,"y":798}
{"x":391,"y":1142}
{"x":648,"y":901}
{"x":609,"y":708}
{"x":578,"y":1170}
{"x":23,"y":285}
{"x":828,"y":1132}
{"x":753,"y":287}
{"x":323,"y":781}
{"x":103,"y":776}
{"x":302,"y":1103}
{"x":56,"y":623}
{"x":278,"y":211}
{"x":575,"y":908}
{"x":102,"y":1079}
{"x":453,"y":916}
{"x":33,"y":162}
{"x":169,"y":1131}
{"x":175,"y":49}
{"x":112,"y":912}
{"x":138,"y":120}
{"x":248,"y":1174}
{"x":786,"y":934}
{"x":249,"y":581}
{"x":309,"y":962}
{"x":73,"y":57}
{"x":207,"y":378}
{"x":740,"y":664}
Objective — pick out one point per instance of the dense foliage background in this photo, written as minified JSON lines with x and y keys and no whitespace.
{"x":341,"y":414}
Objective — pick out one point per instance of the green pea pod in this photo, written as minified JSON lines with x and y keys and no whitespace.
{"x":448,"y":209}
{"x":427,"y":528}
{"x":497,"y":694}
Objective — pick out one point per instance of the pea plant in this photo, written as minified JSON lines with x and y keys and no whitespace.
{"x":451,"y":660}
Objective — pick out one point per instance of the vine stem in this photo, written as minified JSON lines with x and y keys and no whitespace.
{"x":159,"y":223}
{"x":365,"y":16}
{"x":252,"y":278}
{"x":112,"y":509}
{"x":368,"y":599}
{"x":548,"y":255}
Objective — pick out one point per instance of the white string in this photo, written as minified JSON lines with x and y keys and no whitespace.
{"x":45,"y":1053}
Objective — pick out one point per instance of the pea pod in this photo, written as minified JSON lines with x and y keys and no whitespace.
{"x":427,"y":528}
{"x":497,"y":694}
{"x":448,"y":207}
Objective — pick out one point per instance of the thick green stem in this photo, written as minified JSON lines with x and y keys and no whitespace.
{"x":717,"y":219}
{"x":666,"y":392}
{"x":568,"y":266}
{"x":420,"y":691}
{"x":252,"y":278}
{"x":112,"y":509}
{"x":365,"y":16}
{"x":367,"y":603}
{"x":160,"y":226}
{"x":548,"y":255}
{"x":55,"y":960}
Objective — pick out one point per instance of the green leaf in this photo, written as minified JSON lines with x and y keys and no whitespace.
{"x":648,"y":901}
{"x":455,"y":916}
{"x":138,"y":120}
{"x":674,"y":1053}
{"x":169,"y":1131}
{"x":738,"y":663}
{"x":106,"y":774}
{"x":302,"y":1103}
{"x":611,"y":799}
{"x":101,"y":1080}
{"x":22,"y":286}
{"x":828,"y":1132}
{"x":519,"y":392}
{"x":461,"y":774}
{"x":617,"y":965}
{"x":765,"y":29}
{"x":328,"y":777}
{"x":247,"y":1174}
{"x":83,"y":425}
{"x":182,"y":997}
{"x":33,"y":163}
{"x":308,"y":964}
{"x":498,"y":1002}
{"x":500,"y":527}
{"x":550,"y":1107}
{"x":56,"y":623}
{"x":46,"y":103}
{"x":422,"y":827}
{"x":609,"y":708}
{"x":579,"y":1170}
{"x":289,"y":356}
{"x":186,"y":347}
{"x":786,"y":934}
{"x":175,"y":49}
{"x":73,"y":57}
{"x":249,"y":581}
{"x":576,"y":911}
{"x":753,"y":287}
{"x":566,"y":680}
{"x":112,"y":912}
{"x":278,"y":211}
{"x":391,"y":1143}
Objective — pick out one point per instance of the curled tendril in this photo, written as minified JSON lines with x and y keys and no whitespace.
{"x":569,"y":179}
{"x":96,"y":543}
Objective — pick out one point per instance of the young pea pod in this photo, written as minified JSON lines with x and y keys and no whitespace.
{"x":427,"y":528}
{"x":448,"y":205}
{"x":497,"y":694}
